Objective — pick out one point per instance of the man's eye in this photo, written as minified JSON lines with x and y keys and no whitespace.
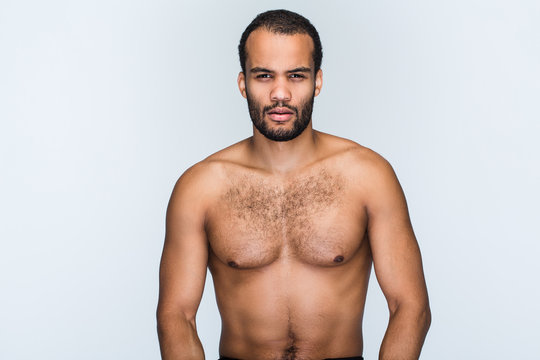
{"x":297,"y":76}
{"x":263,"y":76}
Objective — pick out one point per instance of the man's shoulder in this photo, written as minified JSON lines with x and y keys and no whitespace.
{"x":353,"y":156}
{"x":372,"y":175}
{"x":231,"y":155}
{"x":209,"y":173}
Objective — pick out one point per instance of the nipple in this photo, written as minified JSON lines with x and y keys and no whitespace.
{"x":232,"y":264}
{"x":338,"y":259}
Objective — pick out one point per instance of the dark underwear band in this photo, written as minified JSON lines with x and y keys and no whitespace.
{"x":341,"y":358}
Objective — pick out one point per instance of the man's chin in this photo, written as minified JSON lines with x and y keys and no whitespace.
{"x":280,"y":134}
{"x":280,"y":137}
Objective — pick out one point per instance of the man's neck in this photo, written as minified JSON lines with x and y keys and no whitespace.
{"x":284,"y":156}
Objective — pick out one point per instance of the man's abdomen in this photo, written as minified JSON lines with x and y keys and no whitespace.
{"x":292,"y":310}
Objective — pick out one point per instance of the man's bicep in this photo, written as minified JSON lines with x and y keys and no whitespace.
{"x":396,"y":255}
{"x":185,"y":254}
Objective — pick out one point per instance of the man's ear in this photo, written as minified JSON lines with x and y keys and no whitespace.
{"x":242,"y":84}
{"x":318,"y":82}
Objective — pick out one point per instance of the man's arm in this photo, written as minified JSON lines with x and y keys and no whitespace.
{"x":398,"y":265}
{"x":182,"y":271}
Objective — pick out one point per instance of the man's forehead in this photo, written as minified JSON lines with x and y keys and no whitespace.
{"x":265,"y":49}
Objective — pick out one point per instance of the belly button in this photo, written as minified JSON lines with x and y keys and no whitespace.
{"x":232,"y":264}
{"x":338,"y":259}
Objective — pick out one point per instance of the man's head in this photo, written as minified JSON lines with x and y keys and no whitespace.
{"x":280,"y":55}
{"x":286,"y":23}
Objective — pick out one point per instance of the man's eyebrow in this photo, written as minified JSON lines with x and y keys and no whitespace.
{"x":260,"y":69}
{"x":300,"y":69}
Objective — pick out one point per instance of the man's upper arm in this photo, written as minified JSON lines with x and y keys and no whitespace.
{"x":396,"y":255}
{"x":185,"y":253}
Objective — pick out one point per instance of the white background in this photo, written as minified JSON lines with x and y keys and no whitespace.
{"x":103,"y":104}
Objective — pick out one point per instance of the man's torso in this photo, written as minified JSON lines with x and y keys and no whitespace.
{"x":289,"y":256}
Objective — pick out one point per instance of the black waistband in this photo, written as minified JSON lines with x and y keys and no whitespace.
{"x":342,"y":358}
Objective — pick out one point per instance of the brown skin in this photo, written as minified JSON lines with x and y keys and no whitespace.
{"x":289,"y":231}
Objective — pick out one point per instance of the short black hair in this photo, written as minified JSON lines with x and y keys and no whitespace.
{"x":282,"y":22}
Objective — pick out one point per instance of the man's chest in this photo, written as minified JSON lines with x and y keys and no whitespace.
{"x":313,"y":219}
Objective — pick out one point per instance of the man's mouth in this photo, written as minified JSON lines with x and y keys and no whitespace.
{"x":280,"y":114}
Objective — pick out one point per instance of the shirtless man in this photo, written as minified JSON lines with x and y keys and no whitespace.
{"x":289,"y":222}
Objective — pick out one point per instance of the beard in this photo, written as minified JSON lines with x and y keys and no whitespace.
{"x":301,"y":121}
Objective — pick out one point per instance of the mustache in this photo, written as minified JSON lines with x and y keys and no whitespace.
{"x":281,"y":105}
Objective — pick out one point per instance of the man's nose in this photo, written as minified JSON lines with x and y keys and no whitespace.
{"x":281,"y":91}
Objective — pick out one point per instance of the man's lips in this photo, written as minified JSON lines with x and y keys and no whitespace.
{"x":280,"y":114}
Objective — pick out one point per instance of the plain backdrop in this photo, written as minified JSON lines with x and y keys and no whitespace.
{"x":103,"y":105}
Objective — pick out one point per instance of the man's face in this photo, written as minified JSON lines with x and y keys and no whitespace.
{"x":279,"y":83}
